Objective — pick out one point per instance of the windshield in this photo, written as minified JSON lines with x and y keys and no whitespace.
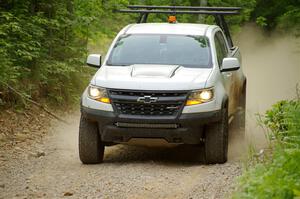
{"x":183,"y":50}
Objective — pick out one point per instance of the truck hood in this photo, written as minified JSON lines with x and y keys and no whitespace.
{"x":151,"y":77}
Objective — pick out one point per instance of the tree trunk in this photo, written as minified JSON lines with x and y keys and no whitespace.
{"x":50,"y":30}
{"x":70,"y":7}
{"x":68,"y":28}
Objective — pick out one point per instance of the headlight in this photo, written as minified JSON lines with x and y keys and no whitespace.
{"x":99,"y":94}
{"x":199,"y":97}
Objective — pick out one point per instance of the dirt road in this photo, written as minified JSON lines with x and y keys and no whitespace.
{"x":128,"y":172}
{"x":51,"y":167}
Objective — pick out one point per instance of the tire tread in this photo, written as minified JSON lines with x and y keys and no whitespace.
{"x":91,"y":149}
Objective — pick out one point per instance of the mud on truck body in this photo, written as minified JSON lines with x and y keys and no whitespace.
{"x":178,"y":82}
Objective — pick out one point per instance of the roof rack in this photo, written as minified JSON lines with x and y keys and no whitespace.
{"x":185,"y":8}
{"x":217,"y":12}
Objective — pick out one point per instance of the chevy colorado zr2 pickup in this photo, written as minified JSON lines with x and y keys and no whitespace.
{"x":178,"y":82}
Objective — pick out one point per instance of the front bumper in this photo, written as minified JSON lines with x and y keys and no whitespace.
{"x":189,"y":126}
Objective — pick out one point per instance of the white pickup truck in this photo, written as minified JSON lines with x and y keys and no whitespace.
{"x":174,"y":81}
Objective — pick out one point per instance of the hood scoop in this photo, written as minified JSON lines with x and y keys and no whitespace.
{"x":163,"y":71}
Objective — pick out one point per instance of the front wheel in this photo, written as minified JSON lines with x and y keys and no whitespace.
{"x":241,"y":116}
{"x":91,"y":148}
{"x":216,"y":140}
{"x":239,"y":122}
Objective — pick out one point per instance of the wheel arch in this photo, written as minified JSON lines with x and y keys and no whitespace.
{"x":225,"y":102}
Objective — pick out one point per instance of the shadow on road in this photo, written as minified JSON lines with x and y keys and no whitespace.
{"x":182,"y":154}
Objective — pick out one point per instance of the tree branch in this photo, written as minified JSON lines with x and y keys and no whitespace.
{"x":33,"y":102}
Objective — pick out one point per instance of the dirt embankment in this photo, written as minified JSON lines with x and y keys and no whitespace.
{"x":19,"y":127}
{"x":50,"y":167}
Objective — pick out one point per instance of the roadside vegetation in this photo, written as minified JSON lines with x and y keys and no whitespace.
{"x":44,"y":45}
{"x":276,"y":172}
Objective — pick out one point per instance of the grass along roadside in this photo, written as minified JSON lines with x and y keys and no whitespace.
{"x":277,"y":174}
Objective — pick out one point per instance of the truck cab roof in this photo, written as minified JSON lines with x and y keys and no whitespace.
{"x":168,"y":28}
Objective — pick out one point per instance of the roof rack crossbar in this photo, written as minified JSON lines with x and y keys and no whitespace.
{"x":217,"y":12}
{"x":180,"y":12}
{"x":185,"y":8}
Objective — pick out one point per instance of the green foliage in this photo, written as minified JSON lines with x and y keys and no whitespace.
{"x":280,"y":176}
{"x":284,"y":122}
{"x":261,"y":21}
{"x":43,"y":47}
{"x":290,"y":20}
{"x":247,"y":8}
{"x":234,"y":21}
{"x":284,"y":14}
{"x":96,"y":17}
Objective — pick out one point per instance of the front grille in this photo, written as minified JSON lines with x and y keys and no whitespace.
{"x":143,"y":93}
{"x":148,"y":103}
{"x":147,"y":109}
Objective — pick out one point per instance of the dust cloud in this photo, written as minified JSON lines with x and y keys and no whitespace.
{"x":272,"y":66}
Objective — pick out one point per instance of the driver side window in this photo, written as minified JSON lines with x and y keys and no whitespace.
{"x":221,"y":47}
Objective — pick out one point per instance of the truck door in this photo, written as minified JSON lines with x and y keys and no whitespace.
{"x":228,"y":77}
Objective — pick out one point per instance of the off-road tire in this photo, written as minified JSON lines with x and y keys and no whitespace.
{"x":241,"y":115}
{"x":239,"y":122}
{"x":216,"y":140}
{"x":91,"y":149}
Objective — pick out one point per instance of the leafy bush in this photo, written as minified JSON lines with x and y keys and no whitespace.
{"x":283,"y":121}
{"x":280,"y":176}
{"x":283,"y":14}
{"x":43,"y":46}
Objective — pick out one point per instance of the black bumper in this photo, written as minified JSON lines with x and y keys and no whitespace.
{"x":189,"y":130}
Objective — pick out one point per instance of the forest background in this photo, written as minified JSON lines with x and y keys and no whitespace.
{"x":44,"y":44}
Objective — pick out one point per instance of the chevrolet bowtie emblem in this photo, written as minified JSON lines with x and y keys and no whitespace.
{"x":147,"y":99}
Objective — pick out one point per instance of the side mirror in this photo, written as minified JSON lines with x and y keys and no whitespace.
{"x":230,"y":64}
{"x":94,"y":60}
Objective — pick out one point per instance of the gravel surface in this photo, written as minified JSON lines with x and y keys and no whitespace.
{"x":50,"y":168}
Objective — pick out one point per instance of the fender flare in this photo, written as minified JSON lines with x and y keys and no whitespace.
{"x":244,"y":87}
{"x":225,"y":102}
